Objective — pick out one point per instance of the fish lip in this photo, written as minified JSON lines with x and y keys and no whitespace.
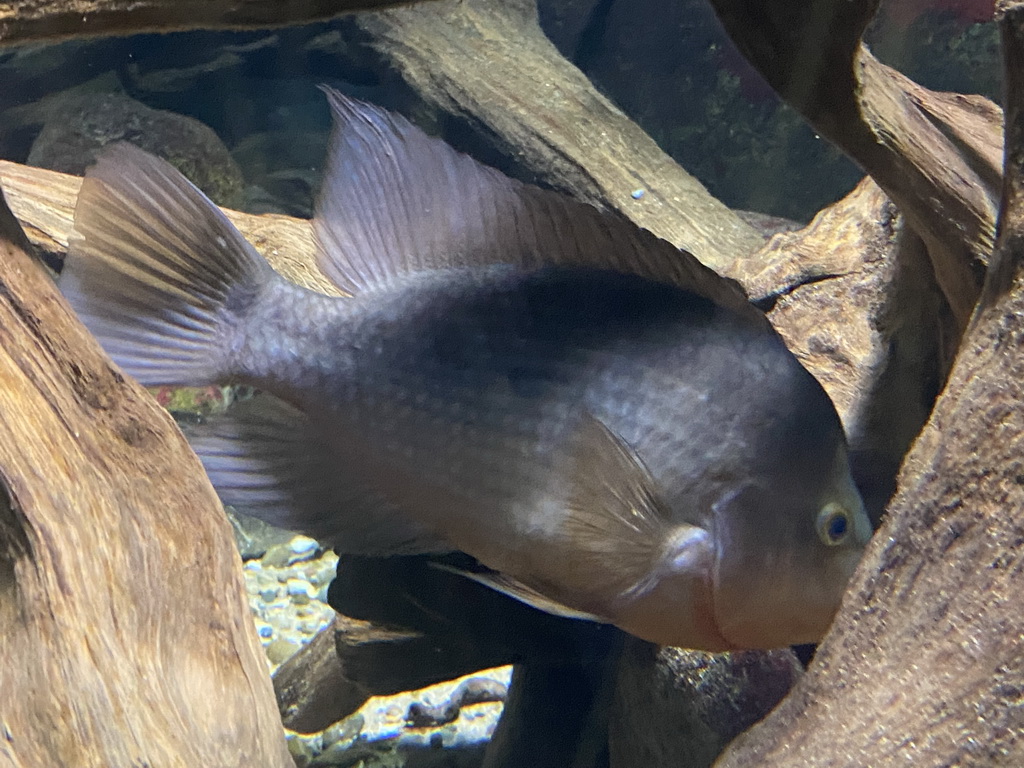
{"x":711,"y":624}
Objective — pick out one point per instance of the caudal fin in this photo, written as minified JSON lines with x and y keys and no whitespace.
{"x":156,"y":272}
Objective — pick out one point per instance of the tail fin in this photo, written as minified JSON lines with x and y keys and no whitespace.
{"x":156,"y":272}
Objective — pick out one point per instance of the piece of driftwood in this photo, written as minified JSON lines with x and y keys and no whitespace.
{"x":44,"y":202}
{"x":406,"y":624}
{"x":925,"y":661}
{"x":488,"y":62}
{"x":937,"y":155}
{"x":855,"y":299}
{"x":678,"y":709}
{"x":125,"y":637}
{"x":556,"y":716}
{"x":27,"y":21}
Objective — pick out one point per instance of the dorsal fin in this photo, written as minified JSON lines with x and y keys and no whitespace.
{"x":395,"y":201}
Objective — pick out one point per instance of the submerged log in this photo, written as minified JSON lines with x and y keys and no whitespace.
{"x":925,"y":660}
{"x":488,"y":62}
{"x":27,"y":21}
{"x":937,"y":155}
{"x":125,"y":637}
{"x":678,"y":709}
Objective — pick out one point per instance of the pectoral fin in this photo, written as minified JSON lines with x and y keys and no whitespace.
{"x":619,"y":532}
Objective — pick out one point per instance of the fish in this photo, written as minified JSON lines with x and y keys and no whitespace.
{"x":605,"y":424}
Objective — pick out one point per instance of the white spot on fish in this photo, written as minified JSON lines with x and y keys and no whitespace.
{"x":222,"y":242}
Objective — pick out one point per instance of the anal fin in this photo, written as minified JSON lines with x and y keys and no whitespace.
{"x":269,"y":460}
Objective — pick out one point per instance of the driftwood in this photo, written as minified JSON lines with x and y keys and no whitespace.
{"x":678,"y":709}
{"x":926,"y":659}
{"x":849,"y":250}
{"x":488,"y":62}
{"x":854,"y":297}
{"x":936,"y":155}
{"x":44,"y":202}
{"x":25,"y":21}
{"x":430,"y":625}
{"x":125,"y":637}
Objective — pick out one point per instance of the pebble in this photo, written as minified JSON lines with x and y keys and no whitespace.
{"x":303,"y":547}
{"x":301,"y":592}
{"x":269,"y":594}
{"x":344,"y":731}
{"x":300,"y":751}
{"x":287,"y":591}
{"x":280,"y":650}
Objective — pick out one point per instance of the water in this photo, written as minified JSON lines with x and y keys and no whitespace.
{"x":666,"y":63}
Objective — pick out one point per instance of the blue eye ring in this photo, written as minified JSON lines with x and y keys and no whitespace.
{"x":833,"y":525}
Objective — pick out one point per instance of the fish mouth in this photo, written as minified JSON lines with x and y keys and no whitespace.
{"x":706,"y":617}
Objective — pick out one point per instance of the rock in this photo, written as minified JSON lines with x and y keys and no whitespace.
{"x":303,"y":548}
{"x":277,"y":556}
{"x":253,"y":536}
{"x":475,"y":690}
{"x":281,"y":650}
{"x":300,"y":751}
{"x":283,"y":169}
{"x":74,"y":134}
{"x":300,"y":592}
{"x":345,"y":731}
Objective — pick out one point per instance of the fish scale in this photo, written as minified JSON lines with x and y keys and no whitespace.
{"x":592,"y":414}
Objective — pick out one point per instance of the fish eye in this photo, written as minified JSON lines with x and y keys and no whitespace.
{"x":833,"y":524}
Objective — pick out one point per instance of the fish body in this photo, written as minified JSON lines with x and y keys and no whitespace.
{"x":517,"y":376}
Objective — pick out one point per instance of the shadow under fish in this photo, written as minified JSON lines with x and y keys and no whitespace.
{"x":588,"y":411}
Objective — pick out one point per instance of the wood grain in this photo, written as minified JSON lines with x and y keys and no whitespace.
{"x":125,"y":635}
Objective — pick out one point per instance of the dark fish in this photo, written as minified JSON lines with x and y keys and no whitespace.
{"x":589,"y":412}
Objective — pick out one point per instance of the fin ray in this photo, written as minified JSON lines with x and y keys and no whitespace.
{"x":617,"y":527}
{"x":395,"y":200}
{"x":152,"y":265}
{"x":517,"y":590}
{"x":268,"y":459}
